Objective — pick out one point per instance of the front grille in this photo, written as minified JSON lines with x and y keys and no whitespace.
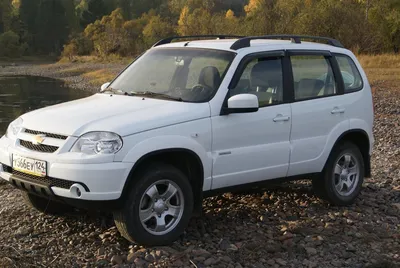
{"x":38,"y":147}
{"x":50,"y":135}
{"x":47,"y":181}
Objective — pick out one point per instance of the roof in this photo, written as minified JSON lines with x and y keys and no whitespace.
{"x":225,"y":44}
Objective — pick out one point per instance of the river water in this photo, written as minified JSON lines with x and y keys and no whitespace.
{"x":20,"y":94}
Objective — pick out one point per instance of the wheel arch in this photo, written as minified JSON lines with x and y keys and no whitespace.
{"x":360,"y":138}
{"x":186,"y":160}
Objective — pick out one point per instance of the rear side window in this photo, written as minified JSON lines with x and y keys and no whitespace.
{"x":351,"y":76}
{"x":313,"y":77}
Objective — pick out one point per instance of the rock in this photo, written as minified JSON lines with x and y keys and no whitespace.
{"x":102,"y":262}
{"x":226,"y":259}
{"x":139,"y":262}
{"x":312,"y":264}
{"x":199,"y":259}
{"x":350,"y":248}
{"x":396,"y":205}
{"x":210,"y":261}
{"x":310,"y":251}
{"x":101,"y":251}
{"x":292,"y":218}
{"x":116,"y":260}
{"x":149,"y":258}
{"x":227,"y":245}
{"x":273,"y":248}
{"x":270,"y":262}
{"x":23,"y":231}
{"x":177,"y":263}
{"x":105,"y":235}
{"x":159,"y":253}
{"x":201,"y":252}
{"x":280,"y":262}
{"x":252,"y":245}
{"x":132,"y":256}
{"x":286,"y":235}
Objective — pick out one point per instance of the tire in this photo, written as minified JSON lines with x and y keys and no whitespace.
{"x":45,"y":205}
{"x":343,"y":175}
{"x":156,"y":205}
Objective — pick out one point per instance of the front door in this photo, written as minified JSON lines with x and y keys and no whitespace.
{"x":252,"y":147}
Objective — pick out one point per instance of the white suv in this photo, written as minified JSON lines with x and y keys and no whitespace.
{"x":194,"y":118}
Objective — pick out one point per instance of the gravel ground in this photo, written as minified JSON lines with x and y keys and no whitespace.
{"x":69,"y":72}
{"x":286,"y":226}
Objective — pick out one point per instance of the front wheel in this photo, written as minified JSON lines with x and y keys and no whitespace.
{"x":343,"y":175}
{"x":158,"y":206}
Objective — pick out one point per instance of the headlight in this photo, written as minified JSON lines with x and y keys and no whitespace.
{"x":98,"y":143}
{"x":14,"y":128}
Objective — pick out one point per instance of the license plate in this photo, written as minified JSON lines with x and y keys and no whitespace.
{"x":29,"y":166}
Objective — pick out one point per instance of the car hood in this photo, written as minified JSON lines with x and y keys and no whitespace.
{"x":123,"y":115}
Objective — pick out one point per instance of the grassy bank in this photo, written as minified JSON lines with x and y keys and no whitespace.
{"x":379,"y":68}
{"x":91,"y":72}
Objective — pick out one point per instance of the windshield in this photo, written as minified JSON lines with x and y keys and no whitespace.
{"x":185,"y":74}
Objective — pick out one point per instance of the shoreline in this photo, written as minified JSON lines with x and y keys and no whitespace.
{"x":82,"y":76}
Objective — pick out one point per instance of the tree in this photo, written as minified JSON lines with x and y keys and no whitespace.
{"x":126,"y":7}
{"x":72,"y":19}
{"x":156,"y":29}
{"x":90,"y":11}
{"x":107,"y":34}
{"x":52,"y":26}
{"x":28,"y":13}
{"x":10,"y":45}
{"x":5,"y":15}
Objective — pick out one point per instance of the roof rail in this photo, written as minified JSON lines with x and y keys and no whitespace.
{"x":170,"y":39}
{"x":245,"y":42}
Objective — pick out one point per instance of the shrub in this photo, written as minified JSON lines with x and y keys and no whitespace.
{"x":10,"y":45}
{"x":79,"y":45}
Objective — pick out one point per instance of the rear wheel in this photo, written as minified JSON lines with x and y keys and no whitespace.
{"x":158,"y":207}
{"x":45,"y":205}
{"x":343,"y":175}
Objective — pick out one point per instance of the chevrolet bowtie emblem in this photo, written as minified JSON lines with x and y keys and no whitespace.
{"x":38,"y":139}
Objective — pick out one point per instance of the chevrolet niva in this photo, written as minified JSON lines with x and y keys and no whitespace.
{"x":194,"y":118}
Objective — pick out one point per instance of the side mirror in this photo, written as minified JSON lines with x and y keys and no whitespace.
{"x":242,"y":103}
{"x":104,"y":86}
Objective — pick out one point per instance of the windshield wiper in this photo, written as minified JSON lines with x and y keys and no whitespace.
{"x":113,"y":91}
{"x":154,"y":94}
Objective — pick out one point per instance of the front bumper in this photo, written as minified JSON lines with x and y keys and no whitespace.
{"x":95,"y":181}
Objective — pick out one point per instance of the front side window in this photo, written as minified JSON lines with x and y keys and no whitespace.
{"x":262,"y":77}
{"x":351,"y":76}
{"x":313,"y":77}
{"x":185,"y":74}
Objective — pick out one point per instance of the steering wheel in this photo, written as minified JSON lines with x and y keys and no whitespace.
{"x":200,"y":88}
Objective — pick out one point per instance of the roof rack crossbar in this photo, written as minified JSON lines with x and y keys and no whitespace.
{"x":170,"y":39}
{"x":245,"y":42}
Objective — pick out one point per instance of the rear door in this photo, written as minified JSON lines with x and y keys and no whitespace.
{"x":318,"y":109}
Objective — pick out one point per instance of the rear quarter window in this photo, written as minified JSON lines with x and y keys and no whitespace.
{"x":351,"y":76}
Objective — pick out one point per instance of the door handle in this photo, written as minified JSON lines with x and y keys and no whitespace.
{"x":281,"y":118}
{"x":338,"y":110}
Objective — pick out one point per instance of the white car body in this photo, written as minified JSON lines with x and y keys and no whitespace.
{"x":234,"y":149}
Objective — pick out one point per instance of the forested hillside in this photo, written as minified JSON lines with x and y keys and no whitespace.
{"x":127,"y":27}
